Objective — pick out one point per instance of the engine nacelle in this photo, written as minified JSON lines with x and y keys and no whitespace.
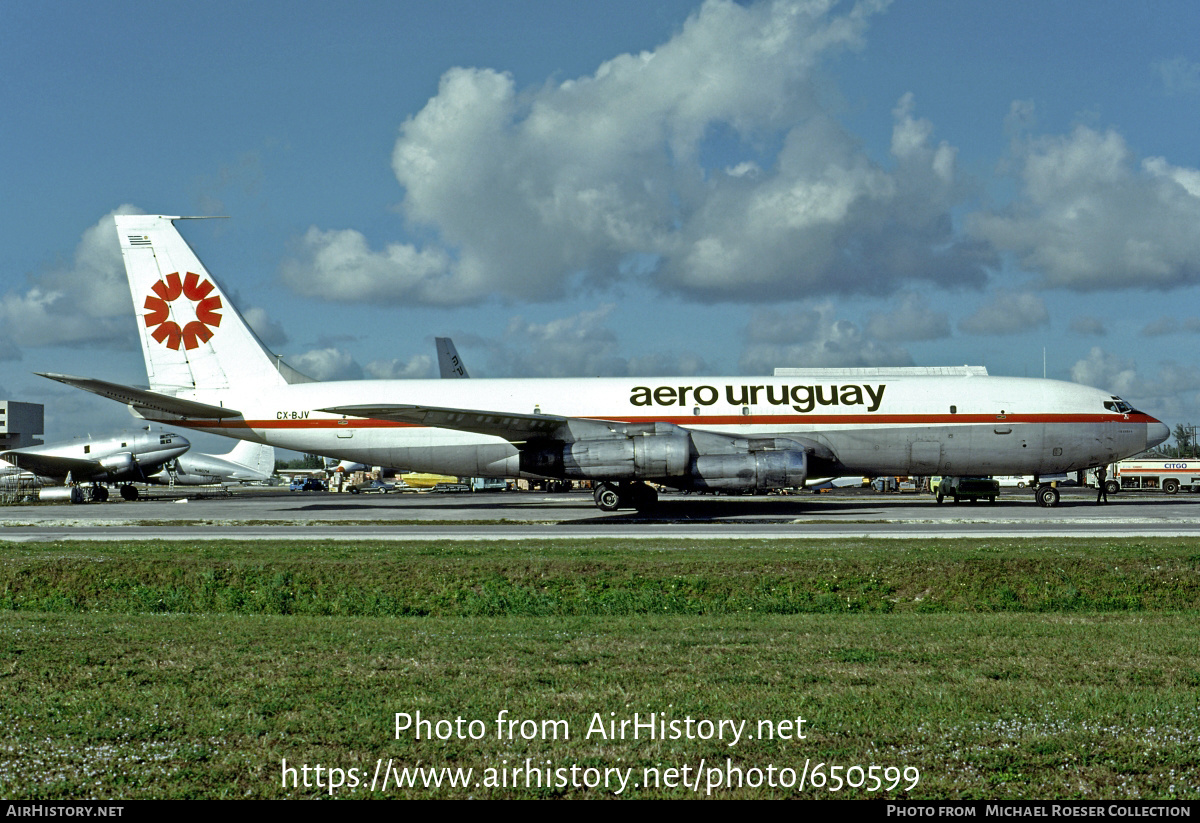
{"x":119,"y":464}
{"x":642,"y":457}
{"x":753,"y":471}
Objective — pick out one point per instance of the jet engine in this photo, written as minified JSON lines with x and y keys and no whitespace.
{"x":643,"y":456}
{"x":759,"y":470}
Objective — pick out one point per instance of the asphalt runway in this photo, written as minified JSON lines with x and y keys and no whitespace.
{"x":272,"y":513}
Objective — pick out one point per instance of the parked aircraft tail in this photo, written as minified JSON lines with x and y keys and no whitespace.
{"x":450,"y":365}
{"x":256,"y":456}
{"x":192,"y":336}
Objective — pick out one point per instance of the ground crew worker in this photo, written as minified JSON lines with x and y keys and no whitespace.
{"x":1101,"y":485}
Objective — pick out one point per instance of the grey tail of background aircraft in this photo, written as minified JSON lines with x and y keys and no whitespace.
{"x":450,"y":365}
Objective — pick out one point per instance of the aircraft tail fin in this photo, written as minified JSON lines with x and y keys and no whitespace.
{"x":192,"y":336}
{"x":449,"y":363}
{"x":256,"y":456}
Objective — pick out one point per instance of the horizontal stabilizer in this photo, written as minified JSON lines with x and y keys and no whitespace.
{"x":144,"y":399}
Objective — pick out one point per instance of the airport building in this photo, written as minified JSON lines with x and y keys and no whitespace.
{"x":20,"y":423}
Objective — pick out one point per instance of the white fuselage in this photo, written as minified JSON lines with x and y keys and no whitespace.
{"x":873,"y":425}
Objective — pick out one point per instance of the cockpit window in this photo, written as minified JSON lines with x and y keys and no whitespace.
{"x":1119,"y":406}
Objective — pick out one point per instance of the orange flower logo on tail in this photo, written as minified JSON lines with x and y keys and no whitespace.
{"x":194,"y":289}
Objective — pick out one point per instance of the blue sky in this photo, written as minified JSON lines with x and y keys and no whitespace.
{"x":615,"y":188}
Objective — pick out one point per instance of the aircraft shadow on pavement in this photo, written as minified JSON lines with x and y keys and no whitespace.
{"x":677,"y":508}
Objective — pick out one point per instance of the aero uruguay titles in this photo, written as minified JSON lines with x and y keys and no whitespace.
{"x":208,"y":370}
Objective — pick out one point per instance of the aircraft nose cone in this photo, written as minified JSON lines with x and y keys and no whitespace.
{"x":1156,"y":433}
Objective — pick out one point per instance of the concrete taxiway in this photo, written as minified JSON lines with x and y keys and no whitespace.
{"x":259,"y":514}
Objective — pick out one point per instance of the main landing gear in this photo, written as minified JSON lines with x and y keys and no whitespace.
{"x":100,"y":493}
{"x":1046,"y":496}
{"x":626,"y":494}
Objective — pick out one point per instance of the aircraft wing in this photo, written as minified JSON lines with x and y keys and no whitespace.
{"x":143,"y":398}
{"x":47,"y":465}
{"x":512,"y":426}
{"x":519,"y":428}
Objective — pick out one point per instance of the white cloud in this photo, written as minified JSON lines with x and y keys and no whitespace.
{"x":1106,"y":371}
{"x":339,"y":265}
{"x":327,"y":364}
{"x":581,"y":345}
{"x":911,"y":319}
{"x":419,"y":365}
{"x":1172,"y":394}
{"x":1007,"y":313}
{"x":1091,"y":217}
{"x":528,"y":193}
{"x":269,"y":331}
{"x":820,"y":341}
{"x":85,"y":300}
{"x":1179,"y":75}
{"x":782,"y":327}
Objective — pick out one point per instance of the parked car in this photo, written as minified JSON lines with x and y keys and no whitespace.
{"x":971,"y":488}
{"x":307,"y":484}
{"x":372,"y":486}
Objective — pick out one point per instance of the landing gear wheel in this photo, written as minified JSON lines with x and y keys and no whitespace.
{"x":940,"y":498}
{"x":607,"y":498}
{"x":1047,"y":497}
{"x":99,"y":494}
{"x":129,"y":493}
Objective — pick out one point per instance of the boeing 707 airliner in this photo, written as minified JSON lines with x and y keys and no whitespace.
{"x":208,"y":371}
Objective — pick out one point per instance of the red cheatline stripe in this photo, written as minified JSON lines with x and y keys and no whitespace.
{"x":713,"y":420}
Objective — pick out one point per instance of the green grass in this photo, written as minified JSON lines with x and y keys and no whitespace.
{"x":999,"y":669}
{"x":603,"y":577}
